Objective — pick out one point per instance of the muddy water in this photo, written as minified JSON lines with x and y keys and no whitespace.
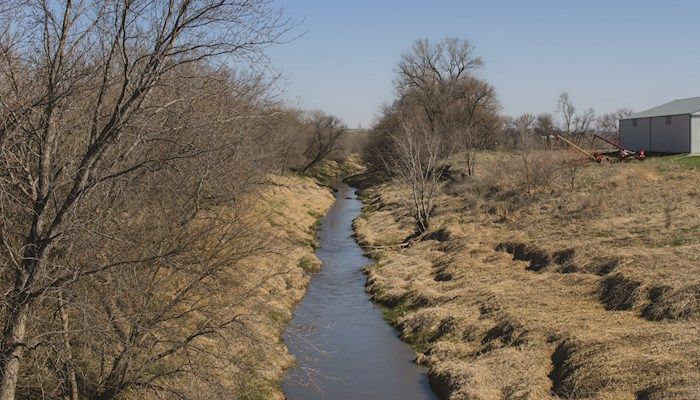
{"x":343,"y":347}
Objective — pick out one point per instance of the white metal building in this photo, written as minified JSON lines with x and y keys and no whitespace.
{"x":669,"y":128}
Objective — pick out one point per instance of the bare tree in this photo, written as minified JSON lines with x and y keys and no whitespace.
{"x":79,"y":100}
{"x":440,"y":107}
{"x":324,"y":136}
{"x":508,"y":135}
{"x":473,"y":120}
{"x":545,"y":127}
{"x":426,"y":73}
{"x":524,"y":124}
{"x":544,"y":124}
{"x":576,"y":126}
{"x":583,"y":125}
{"x":608,"y":124}
{"x":567,"y":110}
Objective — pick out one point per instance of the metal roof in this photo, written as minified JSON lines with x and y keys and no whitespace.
{"x":676,"y":107}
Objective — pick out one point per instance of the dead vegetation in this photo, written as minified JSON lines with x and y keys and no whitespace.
{"x":208,"y":329}
{"x":529,"y":288}
{"x":290,"y":208}
{"x":137,"y":140}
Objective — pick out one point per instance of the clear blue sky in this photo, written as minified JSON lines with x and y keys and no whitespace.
{"x":606,"y":54}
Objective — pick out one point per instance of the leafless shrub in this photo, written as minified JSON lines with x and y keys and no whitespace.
{"x":570,"y":167}
{"x":534,"y":169}
{"x":418,"y":162}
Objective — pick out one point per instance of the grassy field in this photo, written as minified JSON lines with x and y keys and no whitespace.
{"x":585,"y":285}
{"x":686,"y":160}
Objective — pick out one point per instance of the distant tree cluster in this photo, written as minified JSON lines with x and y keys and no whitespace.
{"x":537,"y":130}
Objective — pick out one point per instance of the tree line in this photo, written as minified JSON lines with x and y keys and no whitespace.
{"x":126,"y":126}
{"x":575,"y":125}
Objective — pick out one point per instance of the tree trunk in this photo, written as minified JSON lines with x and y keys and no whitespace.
{"x":471,"y":160}
{"x":12,"y":349}
{"x":72,"y":392}
{"x":422,"y":221}
{"x":15,"y":323}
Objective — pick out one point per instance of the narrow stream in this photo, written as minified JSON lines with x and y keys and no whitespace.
{"x":343,"y":347}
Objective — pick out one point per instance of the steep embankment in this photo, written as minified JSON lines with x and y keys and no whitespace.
{"x":584,"y":293}
{"x":286,"y":212}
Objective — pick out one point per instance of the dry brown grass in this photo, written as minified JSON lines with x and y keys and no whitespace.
{"x":286,"y":212}
{"x":544,"y":291}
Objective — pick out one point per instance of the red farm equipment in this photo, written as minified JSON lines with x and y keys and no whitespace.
{"x":597,"y":157}
{"x":623,"y":154}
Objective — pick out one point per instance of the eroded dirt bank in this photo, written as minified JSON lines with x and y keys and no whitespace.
{"x":584,"y":293}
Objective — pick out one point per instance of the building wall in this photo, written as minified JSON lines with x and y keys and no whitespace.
{"x":670,"y":138}
{"x":635,"y":137}
{"x":654,"y":135}
{"x":695,"y":135}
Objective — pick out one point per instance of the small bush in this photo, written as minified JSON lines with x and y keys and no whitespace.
{"x":308,"y":264}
